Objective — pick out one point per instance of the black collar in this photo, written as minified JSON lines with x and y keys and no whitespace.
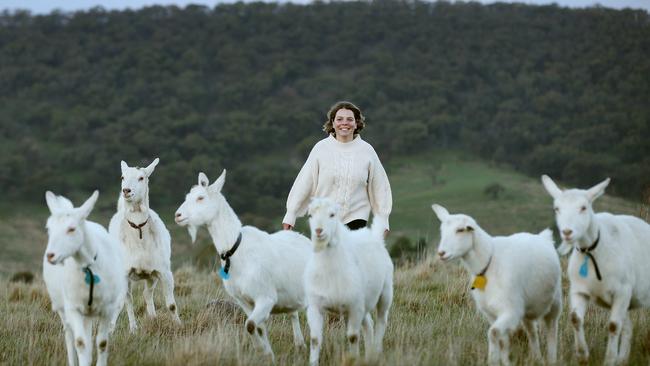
{"x":138,"y":227}
{"x":90,"y":276}
{"x":592,"y":247}
{"x":226,"y":256}
{"x":486,"y":267}
{"x":482,"y":273}
{"x":587,"y":252}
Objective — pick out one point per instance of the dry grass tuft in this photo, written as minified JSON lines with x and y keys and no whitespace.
{"x":22,"y":276}
{"x":17,"y":294}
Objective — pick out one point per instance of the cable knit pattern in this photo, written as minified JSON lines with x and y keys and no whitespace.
{"x":348,"y":173}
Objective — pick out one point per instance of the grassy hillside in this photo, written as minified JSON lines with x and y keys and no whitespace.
{"x":453,"y":179}
{"x":544,"y":88}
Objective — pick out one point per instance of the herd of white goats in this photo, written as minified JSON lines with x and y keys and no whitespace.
{"x":515,"y":279}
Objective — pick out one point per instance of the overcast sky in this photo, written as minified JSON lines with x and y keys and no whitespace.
{"x":46,"y":6}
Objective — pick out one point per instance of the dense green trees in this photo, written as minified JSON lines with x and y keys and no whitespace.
{"x":246,"y":86}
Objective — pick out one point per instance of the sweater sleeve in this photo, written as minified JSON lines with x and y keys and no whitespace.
{"x":302,"y":190}
{"x":379,"y":193}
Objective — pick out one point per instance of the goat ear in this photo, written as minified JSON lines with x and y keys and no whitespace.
{"x":64,"y":203}
{"x":337,"y":208}
{"x":440,"y":211}
{"x":218,"y":184}
{"x":550,"y":186}
{"x":191,"y":229}
{"x":203,"y":180}
{"x":85,"y":209}
{"x":124,"y":166}
{"x":52,"y":202}
{"x":597,"y":190}
{"x":151,"y":166}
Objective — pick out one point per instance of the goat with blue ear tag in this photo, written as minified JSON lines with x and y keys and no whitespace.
{"x":83,"y":270}
{"x":608,"y":265}
{"x":263,"y":272}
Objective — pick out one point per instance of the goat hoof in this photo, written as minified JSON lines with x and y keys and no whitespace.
{"x":583,"y":359}
{"x":250,"y":326}
{"x":102,"y":346}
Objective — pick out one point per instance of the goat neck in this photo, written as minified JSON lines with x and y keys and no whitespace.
{"x":87,"y":253}
{"x":137,"y":212}
{"x":224,"y":227}
{"x":590,"y":235}
{"x":333,"y":241}
{"x":476,"y":259}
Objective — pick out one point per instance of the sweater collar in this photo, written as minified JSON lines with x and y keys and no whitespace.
{"x":345,"y":145}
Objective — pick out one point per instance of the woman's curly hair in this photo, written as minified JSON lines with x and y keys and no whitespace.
{"x":358,"y":117}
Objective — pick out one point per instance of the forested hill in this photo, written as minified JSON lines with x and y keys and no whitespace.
{"x":246,"y":86}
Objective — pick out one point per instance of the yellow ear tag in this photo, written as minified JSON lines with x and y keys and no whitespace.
{"x":479,"y":283}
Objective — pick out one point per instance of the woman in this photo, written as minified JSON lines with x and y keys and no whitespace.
{"x":345,"y":169}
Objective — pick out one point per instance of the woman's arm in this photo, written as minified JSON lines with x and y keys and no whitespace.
{"x":379,"y":192}
{"x":303,"y":188}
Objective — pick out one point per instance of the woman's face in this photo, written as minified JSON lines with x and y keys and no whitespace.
{"x":344,"y":125}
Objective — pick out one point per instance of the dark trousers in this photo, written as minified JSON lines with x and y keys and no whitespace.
{"x":357,"y":224}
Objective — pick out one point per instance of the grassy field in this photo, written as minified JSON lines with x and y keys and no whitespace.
{"x":433,"y":320}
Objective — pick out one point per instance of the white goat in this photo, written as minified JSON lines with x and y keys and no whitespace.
{"x":516,"y":281}
{"x":609,"y":265}
{"x":83,"y":271}
{"x":263,"y":272}
{"x":351,"y":273}
{"x":146,"y":241}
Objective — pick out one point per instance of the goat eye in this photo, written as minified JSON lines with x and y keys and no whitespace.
{"x":141,"y":179}
{"x":583,"y":208}
{"x":331,"y":215}
{"x":200,"y":198}
{"x":70,"y":230}
{"x":461,"y":230}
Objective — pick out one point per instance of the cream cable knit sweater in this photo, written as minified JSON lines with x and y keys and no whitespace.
{"x":348,"y":173}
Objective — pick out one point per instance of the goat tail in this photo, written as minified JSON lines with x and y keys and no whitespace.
{"x":547,"y":236}
{"x":378,"y":227}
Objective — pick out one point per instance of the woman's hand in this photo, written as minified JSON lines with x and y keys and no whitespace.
{"x":287,"y":226}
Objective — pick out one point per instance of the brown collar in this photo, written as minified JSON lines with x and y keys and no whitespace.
{"x":138,"y":227}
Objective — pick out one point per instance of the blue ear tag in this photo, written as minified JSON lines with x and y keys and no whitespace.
{"x":584,"y":268}
{"x":223,"y":274}
{"x":95,"y":278}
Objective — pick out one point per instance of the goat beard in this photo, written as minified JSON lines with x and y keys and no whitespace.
{"x":564,"y":248}
{"x":320,"y":245}
{"x":192,"y":230}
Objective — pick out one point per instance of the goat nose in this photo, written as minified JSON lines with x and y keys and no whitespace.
{"x":441,"y":253}
{"x":178,"y":214}
{"x":126,"y":190}
{"x":567,"y":232}
{"x":50,"y":256}
{"x":318,"y":231}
